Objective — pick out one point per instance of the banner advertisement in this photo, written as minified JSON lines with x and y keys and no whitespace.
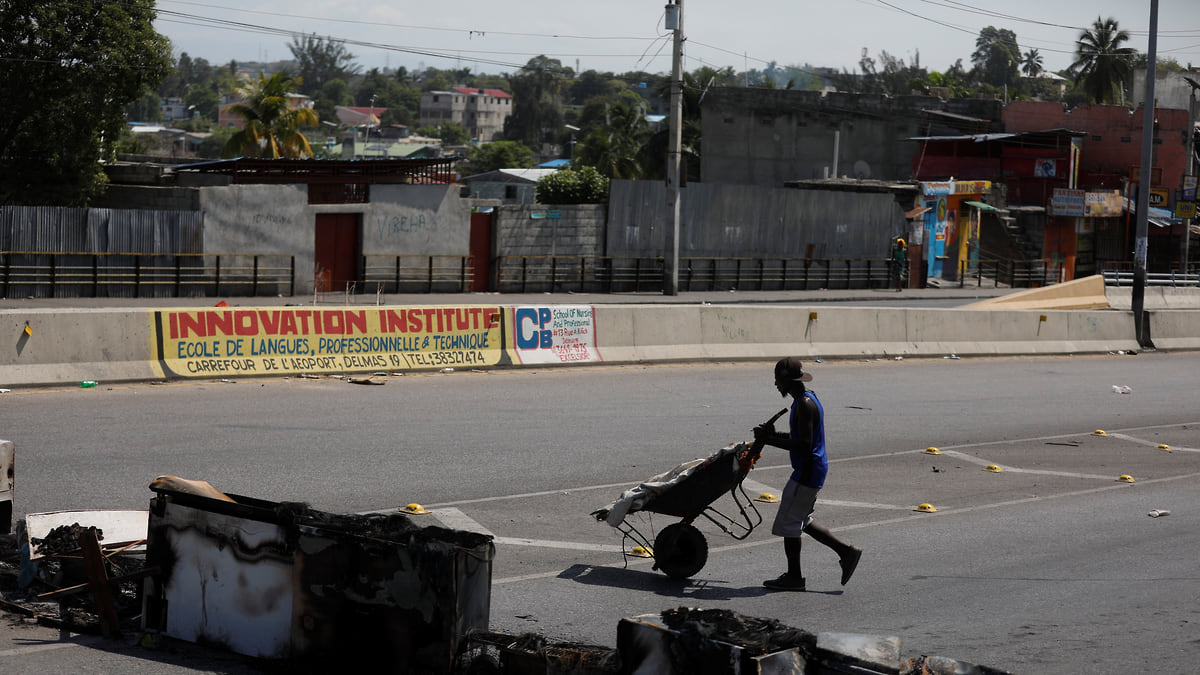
{"x":291,"y":340}
{"x":1103,"y":204}
{"x":556,"y":334}
{"x":1066,"y":202}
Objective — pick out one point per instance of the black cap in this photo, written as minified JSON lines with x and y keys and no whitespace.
{"x":791,"y":370}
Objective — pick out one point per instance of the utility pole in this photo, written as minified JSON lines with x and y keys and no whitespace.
{"x":1189,"y":171}
{"x":1138,"y":299}
{"x":674,"y":21}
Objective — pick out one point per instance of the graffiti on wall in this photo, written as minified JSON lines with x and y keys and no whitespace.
{"x":289,"y":340}
{"x":393,"y":224}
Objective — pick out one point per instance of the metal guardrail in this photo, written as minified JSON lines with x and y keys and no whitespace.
{"x":416,"y":273}
{"x":601,"y":274}
{"x":1179,"y":279}
{"x":1011,"y":273}
{"x":136,"y":275}
{"x":1121,"y":274}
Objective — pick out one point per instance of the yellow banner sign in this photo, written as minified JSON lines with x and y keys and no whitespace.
{"x":288,"y":340}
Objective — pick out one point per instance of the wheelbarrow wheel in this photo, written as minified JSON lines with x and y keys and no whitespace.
{"x":680,"y":551}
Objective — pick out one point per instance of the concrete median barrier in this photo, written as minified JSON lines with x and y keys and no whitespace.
{"x":58,"y":347}
{"x":636,"y":333}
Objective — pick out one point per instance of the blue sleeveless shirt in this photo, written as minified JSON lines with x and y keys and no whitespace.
{"x":820,"y":463}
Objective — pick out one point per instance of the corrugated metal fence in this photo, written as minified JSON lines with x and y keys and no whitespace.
{"x":79,"y":252}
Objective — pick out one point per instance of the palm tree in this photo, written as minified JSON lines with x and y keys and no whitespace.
{"x":1101,"y":63}
{"x":272,"y":125}
{"x":1031,"y":63}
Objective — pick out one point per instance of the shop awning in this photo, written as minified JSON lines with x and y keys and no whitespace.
{"x":916,"y":213}
{"x":980,"y":205}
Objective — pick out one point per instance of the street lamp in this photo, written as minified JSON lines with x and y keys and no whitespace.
{"x":573,"y":130}
{"x":370,"y":118}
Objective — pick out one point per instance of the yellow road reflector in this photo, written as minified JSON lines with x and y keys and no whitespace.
{"x":1124,"y":478}
{"x":1164,"y":447}
{"x":641,"y":552}
{"x":994,"y":468}
{"x":415,"y":509}
{"x":28,"y":329}
{"x":925,"y":508}
{"x":767,"y":498}
{"x":1099,"y":432}
{"x":932,"y":451}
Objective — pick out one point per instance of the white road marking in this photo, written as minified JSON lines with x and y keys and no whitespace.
{"x":451,"y":516}
{"x":1153,"y":444}
{"x":754,"y":489}
{"x":1014,"y":469}
{"x":773,"y":541}
{"x":455,"y":519}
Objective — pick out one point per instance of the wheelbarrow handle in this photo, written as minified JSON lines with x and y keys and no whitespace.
{"x":755,"y":450}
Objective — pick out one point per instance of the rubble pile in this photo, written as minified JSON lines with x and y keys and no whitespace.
{"x":53,"y":590}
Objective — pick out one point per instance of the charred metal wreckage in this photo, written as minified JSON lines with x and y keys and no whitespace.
{"x":316,"y":590}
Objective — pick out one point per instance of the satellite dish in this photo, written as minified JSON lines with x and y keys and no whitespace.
{"x":862,"y":170}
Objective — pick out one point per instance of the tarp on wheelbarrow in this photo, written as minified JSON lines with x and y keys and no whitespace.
{"x":635,"y":498}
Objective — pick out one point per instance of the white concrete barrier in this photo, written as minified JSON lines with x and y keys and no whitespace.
{"x":635,"y":333}
{"x":57,"y":347}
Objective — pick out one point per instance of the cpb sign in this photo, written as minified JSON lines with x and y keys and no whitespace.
{"x":556,"y":334}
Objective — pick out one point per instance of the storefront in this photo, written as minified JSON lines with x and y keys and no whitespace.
{"x":951,"y":225}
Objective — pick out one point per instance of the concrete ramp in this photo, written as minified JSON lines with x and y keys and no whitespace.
{"x":1085,"y":293}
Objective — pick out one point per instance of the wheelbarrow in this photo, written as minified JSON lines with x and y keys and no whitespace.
{"x":688,"y":492}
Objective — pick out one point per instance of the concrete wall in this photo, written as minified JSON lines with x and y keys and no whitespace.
{"x":399,"y":219}
{"x":68,"y":347}
{"x":1114,"y":141}
{"x":65,"y":347}
{"x":538,"y":230}
{"x":720,"y":220}
{"x":768,"y":136}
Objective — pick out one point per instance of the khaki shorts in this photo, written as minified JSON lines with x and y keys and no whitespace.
{"x":795,"y":510}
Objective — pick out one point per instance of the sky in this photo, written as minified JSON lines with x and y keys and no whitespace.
{"x":492,"y":37}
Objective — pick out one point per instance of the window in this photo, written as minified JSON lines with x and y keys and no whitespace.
{"x":435,"y":98}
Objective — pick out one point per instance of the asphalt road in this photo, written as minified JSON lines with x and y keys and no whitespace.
{"x":1050,"y":566}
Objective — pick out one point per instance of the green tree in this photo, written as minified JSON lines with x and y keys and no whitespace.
{"x":69,"y":68}
{"x":320,"y":60}
{"x":614,"y":143}
{"x":272,"y":125}
{"x":453,"y":133}
{"x":654,"y":153}
{"x":537,"y":92}
{"x":997,"y":58}
{"x":334,"y":93}
{"x":497,"y":155}
{"x":402,"y":102}
{"x":1101,"y":64}
{"x":1031,"y":63}
{"x":584,"y":185}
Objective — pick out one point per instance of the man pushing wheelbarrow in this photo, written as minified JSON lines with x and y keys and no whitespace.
{"x":688,"y":491}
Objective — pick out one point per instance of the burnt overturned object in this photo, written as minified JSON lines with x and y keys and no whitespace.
{"x":283,"y":580}
{"x":63,"y":539}
{"x":686,"y":640}
{"x":754,"y":635}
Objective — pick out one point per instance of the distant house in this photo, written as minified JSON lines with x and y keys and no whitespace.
{"x":482,"y":111}
{"x":173,"y":109}
{"x":511,"y":186}
{"x":358,"y":116}
{"x":225,"y":118}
